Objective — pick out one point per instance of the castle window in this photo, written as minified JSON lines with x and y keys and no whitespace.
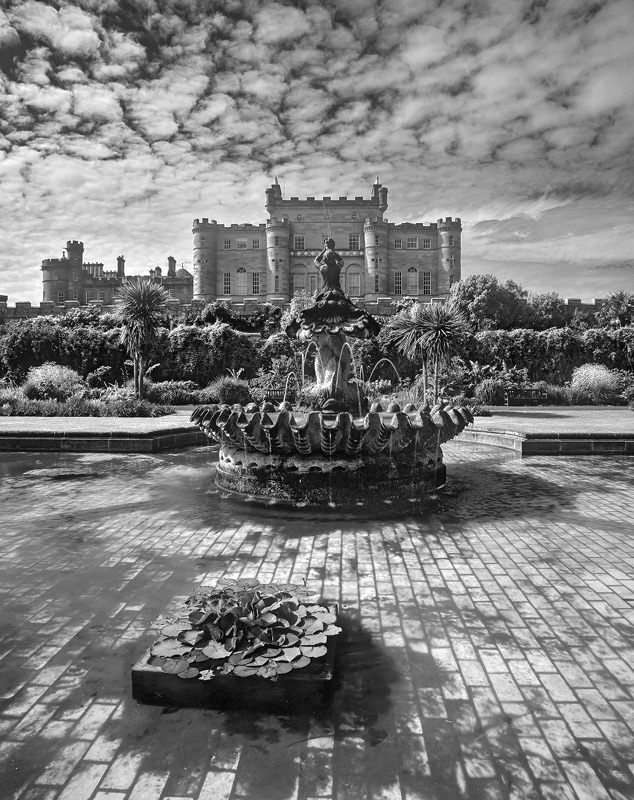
{"x":101,"y":296}
{"x":299,"y":282}
{"x":452,"y":262}
{"x":353,"y":241}
{"x":451,"y":241}
{"x":376,"y":283}
{"x":299,"y":243}
{"x":171,"y":292}
{"x":241,"y":244}
{"x":226,"y":283}
{"x":277,"y":283}
{"x":227,"y":244}
{"x":398,"y":283}
{"x":412,"y":280}
{"x":426,"y":244}
{"x":411,"y":242}
{"x":256,"y":244}
{"x":354,"y":284}
{"x":377,"y":240}
{"x":75,"y":296}
{"x":60,"y":296}
{"x":90,"y":296}
{"x":398,"y":244}
{"x":276,"y":241}
{"x":241,"y":282}
{"x":75,"y":256}
{"x":255,"y":282}
{"x":75,"y":276}
{"x":426,"y":282}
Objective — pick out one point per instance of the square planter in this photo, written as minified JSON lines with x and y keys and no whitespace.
{"x":290,"y":693}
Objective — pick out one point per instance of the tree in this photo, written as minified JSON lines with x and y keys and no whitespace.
{"x":140,"y":305}
{"x":489,"y":304}
{"x":431,"y":332}
{"x":547,"y":310}
{"x":617,"y":310}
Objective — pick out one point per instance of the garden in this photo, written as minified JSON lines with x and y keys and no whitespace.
{"x":489,"y":339}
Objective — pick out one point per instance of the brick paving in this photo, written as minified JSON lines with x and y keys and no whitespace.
{"x":488,"y":650}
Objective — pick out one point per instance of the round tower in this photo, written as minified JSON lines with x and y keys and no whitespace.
{"x":375,"y":240}
{"x":277,"y":258}
{"x":205,"y":259}
{"x":449,"y":268}
{"x":57,"y":273}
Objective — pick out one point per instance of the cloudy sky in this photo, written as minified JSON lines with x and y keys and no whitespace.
{"x":122,"y":120}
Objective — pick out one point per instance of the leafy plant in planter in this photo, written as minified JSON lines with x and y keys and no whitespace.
{"x":245,"y":628}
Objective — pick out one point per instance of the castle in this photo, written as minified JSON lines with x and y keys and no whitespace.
{"x":71,"y":281}
{"x":272,"y":261}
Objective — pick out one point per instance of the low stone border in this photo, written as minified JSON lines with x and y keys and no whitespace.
{"x":99,"y":441}
{"x":553,"y":444}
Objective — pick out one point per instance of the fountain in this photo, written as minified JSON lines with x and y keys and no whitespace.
{"x":332,"y":458}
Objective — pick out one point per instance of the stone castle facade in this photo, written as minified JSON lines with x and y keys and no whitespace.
{"x":271,"y":261}
{"x":71,"y":280}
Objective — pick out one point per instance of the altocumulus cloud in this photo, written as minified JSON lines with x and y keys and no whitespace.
{"x":121,"y":120}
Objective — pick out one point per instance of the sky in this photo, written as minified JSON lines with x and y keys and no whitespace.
{"x":123,"y":120}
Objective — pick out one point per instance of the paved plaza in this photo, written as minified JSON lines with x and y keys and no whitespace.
{"x":488,"y":645}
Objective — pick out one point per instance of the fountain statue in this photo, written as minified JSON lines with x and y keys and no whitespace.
{"x":328,"y":322}
{"x":330,"y":458}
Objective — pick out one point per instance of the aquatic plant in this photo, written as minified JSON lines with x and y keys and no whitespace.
{"x":247,"y":629}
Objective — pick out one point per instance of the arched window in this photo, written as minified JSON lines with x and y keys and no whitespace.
{"x":412,"y":280}
{"x":241,"y":281}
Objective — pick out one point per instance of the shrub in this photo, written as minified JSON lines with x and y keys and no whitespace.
{"x":226,"y":390}
{"x":596,"y":383}
{"x":52,"y":382}
{"x":490,"y":391}
{"x":112,"y":403}
{"x":173,"y":393}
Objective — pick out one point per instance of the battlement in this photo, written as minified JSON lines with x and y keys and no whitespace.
{"x":55,"y":262}
{"x":449,"y":222}
{"x":340,"y":202}
{"x":423,"y":227}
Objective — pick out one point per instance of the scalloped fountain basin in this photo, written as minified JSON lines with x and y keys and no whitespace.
{"x":331,"y":460}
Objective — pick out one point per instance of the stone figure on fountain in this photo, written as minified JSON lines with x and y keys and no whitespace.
{"x":331,"y":319}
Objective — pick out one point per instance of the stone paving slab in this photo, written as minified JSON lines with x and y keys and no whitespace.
{"x":488,"y":648}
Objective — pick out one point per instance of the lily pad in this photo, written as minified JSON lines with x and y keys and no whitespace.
{"x":174,"y":666}
{"x":169,"y":648}
{"x":191,"y":672}
{"x":215,"y":650}
{"x":245,"y":672}
{"x":174,"y":628}
{"x":314,"y":652}
{"x":301,"y":662}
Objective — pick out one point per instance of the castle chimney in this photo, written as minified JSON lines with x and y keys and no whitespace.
{"x":120,"y":267}
{"x":171,"y":267}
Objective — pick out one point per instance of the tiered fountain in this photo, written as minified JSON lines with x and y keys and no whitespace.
{"x":331,"y":458}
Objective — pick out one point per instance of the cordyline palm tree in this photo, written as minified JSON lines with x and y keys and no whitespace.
{"x":431,"y":332}
{"x":140,"y":304}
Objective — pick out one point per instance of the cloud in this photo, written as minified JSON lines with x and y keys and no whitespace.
{"x":119,"y":118}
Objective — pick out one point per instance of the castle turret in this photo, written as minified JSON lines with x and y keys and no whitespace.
{"x":75,"y":252}
{"x":379,"y":193}
{"x":120,"y":267}
{"x":375,"y":238}
{"x":205,"y":259}
{"x":277,"y":258}
{"x":449,"y":268}
{"x":273,"y":197}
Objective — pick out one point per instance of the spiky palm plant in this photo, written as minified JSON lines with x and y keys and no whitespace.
{"x":140,"y":304}
{"x":430,"y":332}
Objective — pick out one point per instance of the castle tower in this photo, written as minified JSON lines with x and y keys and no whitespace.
{"x":75,"y":253}
{"x":449,"y":267}
{"x":376,"y":266}
{"x":120,"y":267}
{"x":205,"y":259}
{"x":277,"y":257}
